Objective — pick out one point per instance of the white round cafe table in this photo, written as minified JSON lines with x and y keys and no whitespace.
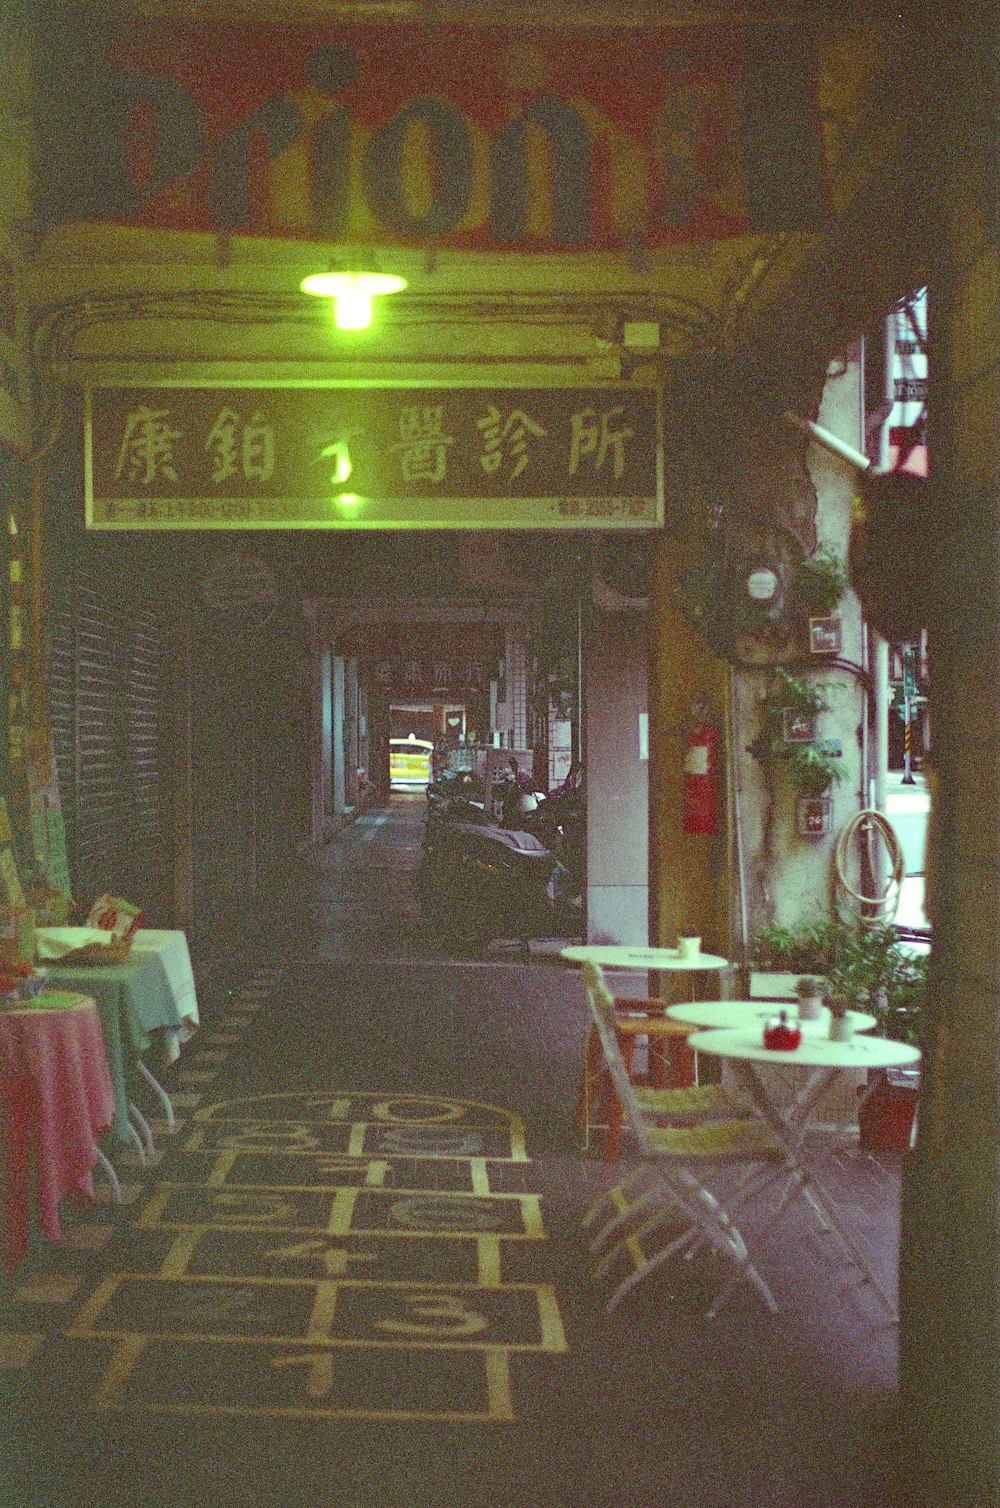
{"x":749,"y":1061}
{"x":755,"y":1014}
{"x":744,"y":1045}
{"x":634,"y":956}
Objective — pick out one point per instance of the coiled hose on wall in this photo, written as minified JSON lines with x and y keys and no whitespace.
{"x":863,"y":827}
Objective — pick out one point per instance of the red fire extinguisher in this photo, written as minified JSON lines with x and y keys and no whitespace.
{"x":701,"y":779}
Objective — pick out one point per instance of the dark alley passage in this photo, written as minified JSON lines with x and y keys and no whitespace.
{"x":358,"y":1277}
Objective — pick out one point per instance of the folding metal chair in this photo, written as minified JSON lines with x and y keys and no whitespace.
{"x":635,"y":1017}
{"x":664,"y":1189}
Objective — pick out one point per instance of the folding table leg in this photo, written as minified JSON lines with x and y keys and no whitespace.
{"x":158,"y":1088}
{"x":112,"y":1176}
{"x":142,"y":1126}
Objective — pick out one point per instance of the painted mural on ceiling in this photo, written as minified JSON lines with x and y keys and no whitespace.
{"x":465,"y":137}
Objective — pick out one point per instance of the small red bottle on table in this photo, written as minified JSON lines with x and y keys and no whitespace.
{"x":781,"y":1035}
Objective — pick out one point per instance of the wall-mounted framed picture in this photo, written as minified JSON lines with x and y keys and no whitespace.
{"x":813,"y":816}
{"x":825,"y":635}
{"x":798,"y":727}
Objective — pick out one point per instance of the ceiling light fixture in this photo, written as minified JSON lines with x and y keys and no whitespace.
{"x":352,"y":294}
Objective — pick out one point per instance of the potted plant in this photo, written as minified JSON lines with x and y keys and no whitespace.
{"x":886,"y":1113}
{"x":813,"y":769}
{"x":809,"y":990}
{"x":841,"y":1027}
{"x":864,"y":964}
{"x":820,"y":582}
{"x":879,"y":974}
{"x":779,"y":954}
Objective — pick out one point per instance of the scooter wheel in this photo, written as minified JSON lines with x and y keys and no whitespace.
{"x":467,"y":934}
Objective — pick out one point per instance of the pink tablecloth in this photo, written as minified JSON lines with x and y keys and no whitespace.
{"x":72,"y":1101}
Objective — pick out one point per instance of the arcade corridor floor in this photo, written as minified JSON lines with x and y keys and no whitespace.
{"x":356,"y":1276}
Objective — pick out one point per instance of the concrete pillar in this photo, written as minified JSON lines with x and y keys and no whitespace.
{"x":337,"y":699}
{"x":326,"y":729}
{"x":689,"y":885}
{"x":615,"y":695}
{"x":350,"y":732}
{"x":364,"y":732}
{"x":950,"y":1283}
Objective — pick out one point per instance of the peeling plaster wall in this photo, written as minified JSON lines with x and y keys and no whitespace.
{"x":789,"y":878}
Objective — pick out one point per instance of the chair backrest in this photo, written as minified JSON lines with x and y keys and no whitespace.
{"x":602,"y":1010}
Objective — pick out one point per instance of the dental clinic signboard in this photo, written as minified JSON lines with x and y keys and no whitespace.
{"x":481,"y":137}
{"x":334,"y":456}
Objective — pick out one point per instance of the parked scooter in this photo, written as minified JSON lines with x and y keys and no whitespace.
{"x":504,"y":861}
{"x":478,"y":881}
{"x":458,"y":796}
{"x":560,"y":822}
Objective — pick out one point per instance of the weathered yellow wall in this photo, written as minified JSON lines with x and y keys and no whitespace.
{"x":688,"y":872}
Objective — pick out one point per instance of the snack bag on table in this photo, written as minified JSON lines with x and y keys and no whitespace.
{"x":111,"y":914}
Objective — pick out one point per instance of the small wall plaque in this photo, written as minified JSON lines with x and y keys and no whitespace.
{"x":798,"y":727}
{"x":824,"y":635}
{"x":813,"y":816}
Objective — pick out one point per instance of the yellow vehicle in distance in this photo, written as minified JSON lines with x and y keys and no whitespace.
{"x":409,"y":763}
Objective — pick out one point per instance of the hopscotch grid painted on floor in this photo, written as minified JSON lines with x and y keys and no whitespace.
{"x":399,"y":1316}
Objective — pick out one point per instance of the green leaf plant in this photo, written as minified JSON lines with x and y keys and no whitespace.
{"x":813,"y":769}
{"x":820,"y":582}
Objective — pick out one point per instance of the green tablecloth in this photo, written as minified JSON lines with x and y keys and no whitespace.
{"x":134,"y":999}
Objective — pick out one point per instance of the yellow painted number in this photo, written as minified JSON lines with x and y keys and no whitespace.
{"x":437,"y":1314}
{"x":334,"y":1259}
{"x":268,"y":1209}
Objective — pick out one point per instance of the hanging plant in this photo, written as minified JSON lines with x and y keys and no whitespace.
{"x":796,"y":694}
{"x":820,"y":582}
{"x":791,"y":702}
{"x":813,"y":770}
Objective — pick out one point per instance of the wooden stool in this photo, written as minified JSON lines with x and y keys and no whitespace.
{"x":635,"y":1016}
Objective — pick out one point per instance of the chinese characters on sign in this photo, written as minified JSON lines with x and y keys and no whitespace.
{"x":505,"y":439}
{"x":385,"y":457}
{"x":422,"y":443}
{"x":240,"y":449}
{"x":147,"y":448}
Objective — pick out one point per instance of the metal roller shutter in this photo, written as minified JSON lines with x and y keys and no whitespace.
{"x":109,"y":687}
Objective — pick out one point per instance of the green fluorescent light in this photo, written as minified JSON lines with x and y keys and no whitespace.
{"x":342,"y":458}
{"x":352,"y":309}
{"x":352,"y":294}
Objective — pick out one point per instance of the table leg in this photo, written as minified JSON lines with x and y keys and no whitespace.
{"x":791,"y":1127}
{"x":142,"y":1126}
{"x":158,"y":1088}
{"x":111,"y":1175}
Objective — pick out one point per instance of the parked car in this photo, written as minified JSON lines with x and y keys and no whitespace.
{"x":409,"y":762}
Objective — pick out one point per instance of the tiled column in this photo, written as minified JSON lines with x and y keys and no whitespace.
{"x":615,"y":695}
